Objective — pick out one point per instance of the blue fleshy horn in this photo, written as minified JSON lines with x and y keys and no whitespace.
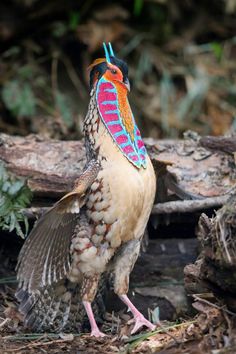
{"x":111,"y":50}
{"x":106,"y":53}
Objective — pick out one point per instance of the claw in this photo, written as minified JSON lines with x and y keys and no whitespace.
{"x":96,"y":333}
{"x":141,"y":321}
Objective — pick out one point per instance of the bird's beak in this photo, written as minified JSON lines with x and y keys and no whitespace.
{"x":127,"y":84}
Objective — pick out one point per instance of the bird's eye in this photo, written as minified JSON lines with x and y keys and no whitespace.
{"x":113,"y":71}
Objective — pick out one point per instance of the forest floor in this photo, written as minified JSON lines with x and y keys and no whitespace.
{"x":157,"y":289}
{"x":158,"y":271}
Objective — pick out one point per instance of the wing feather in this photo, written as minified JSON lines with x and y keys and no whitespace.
{"x":45,"y":256}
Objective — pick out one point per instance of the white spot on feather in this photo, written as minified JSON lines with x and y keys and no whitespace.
{"x":88,"y":254}
{"x":100,"y":229}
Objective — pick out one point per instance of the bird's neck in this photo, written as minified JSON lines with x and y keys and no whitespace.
{"x":109,"y":107}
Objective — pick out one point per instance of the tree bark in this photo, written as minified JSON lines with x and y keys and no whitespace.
{"x":215,"y":269}
{"x":185,"y":170}
{"x":219,"y":143}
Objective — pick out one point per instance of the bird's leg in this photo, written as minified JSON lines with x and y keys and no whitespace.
{"x":94,"y":328}
{"x":123,"y":265}
{"x":88,"y":291}
{"x":140,"y":320}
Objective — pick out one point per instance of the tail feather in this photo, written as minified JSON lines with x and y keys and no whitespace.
{"x":48,"y":309}
{"x":57,"y":307}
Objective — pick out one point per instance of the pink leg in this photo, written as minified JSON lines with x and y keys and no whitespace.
{"x":94,"y":328}
{"x":140,"y":320}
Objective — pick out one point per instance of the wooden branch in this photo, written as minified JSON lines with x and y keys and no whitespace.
{"x":189,"y":206}
{"x":219,"y":143}
{"x":179,"y":206}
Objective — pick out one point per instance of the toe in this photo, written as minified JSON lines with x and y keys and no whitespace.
{"x":140,"y":322}
{"x":97,"y":334}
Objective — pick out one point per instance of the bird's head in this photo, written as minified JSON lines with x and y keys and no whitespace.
{"x":111,"y":68}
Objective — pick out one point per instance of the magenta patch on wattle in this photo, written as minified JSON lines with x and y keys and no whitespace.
{"x":106,"y":86}
{"x":106,"y":96}
{"x":109,"y":107}
{"x":128,"y":149}
{"x":140,"y":144}
{"x":116,"y":128}
{"x":122,"y":139}
{"x":110,"y":117}
{"x":142,"y":156}
{"x":134,"y":157}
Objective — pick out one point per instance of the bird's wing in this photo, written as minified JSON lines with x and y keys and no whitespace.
{"x":45,"y":255}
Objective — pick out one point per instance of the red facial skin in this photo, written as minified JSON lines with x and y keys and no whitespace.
{"x":113,"y":74}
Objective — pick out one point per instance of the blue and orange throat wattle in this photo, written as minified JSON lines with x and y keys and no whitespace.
{"x":117,"y":117}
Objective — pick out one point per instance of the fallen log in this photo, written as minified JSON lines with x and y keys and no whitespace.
{"x":219,"y":143}
{"x":185,"y":170}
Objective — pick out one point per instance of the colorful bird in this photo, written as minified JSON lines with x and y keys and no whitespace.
{"x":98,"y":226}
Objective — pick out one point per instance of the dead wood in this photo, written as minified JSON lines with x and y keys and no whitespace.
{"x":188,"y":206}
{"x":215,"y":270}
{"x":50,"y":166}
{"x":185,"y":170}
{"x":219,"y":143}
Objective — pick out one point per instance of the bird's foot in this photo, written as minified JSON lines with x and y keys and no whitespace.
{"x":141,"y":321}
{"x":96,"y":333}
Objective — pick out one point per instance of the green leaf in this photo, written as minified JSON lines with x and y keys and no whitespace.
{"x":11,"y":52}
{"x":217,"y":50}
{"x":12,"y":221}
{"x":5,"y":207}
{"x":63,"y":105}
{"x":14,"y":195}
{"x":59,"y":29}
{"x":156,"y":315}
{"x":15,"y":188}
{"x":138,"y":6}
{"x":74,"y":19}
{"x":6,"y":185}
{"x":19,"y":98}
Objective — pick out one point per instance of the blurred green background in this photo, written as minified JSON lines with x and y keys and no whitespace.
{"x":181,"y":56}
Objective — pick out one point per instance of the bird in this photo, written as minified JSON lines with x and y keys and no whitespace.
{"x":97,"y":227}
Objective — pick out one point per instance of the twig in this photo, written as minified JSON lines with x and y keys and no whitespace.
{"x":166,"y":332}
{"x":219,"y":143}
{"x":221,"y":308}
{"x":54,"y":74}
{"x":137,"y":339}
{"x":2,"y":324}
{"x":188,"y":206}
{"x":180,"y":206}
{"x":38,"y":344}
{"x":73,"y":76}
{"x":36,"y":336}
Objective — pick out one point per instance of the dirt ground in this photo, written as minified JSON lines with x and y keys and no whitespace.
{"x":157,"y":289}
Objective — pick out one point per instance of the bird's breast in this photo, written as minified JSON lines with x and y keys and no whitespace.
{"x":117,"y":199}
{"x":117,"y":207}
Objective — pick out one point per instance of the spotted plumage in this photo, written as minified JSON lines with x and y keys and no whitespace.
{"x":98,"y":226}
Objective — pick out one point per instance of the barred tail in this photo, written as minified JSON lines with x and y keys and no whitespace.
{"x":49,"y":308}
{"x":57,"y":307}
